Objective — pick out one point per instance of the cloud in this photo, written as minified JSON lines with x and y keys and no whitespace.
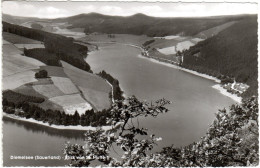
{"x":148,"y":10}
{"x":62,"y":9}
{"x":51,"y":12}
{"x":87,"y":8}
{"x":111,"y":10}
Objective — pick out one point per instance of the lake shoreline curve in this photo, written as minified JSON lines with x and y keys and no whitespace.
{"x":218,"y":86}
{"x":60,"y":127}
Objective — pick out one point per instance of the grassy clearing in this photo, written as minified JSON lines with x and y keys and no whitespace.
{"x":85,"y":79}
{"x":100,"y":100}
{"x":49,"y":90}
{"x":54,"y":71}
{"x":15,"y":39}
{"x":65,"y":85}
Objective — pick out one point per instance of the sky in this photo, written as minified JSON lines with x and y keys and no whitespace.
{"x":63,"y":9}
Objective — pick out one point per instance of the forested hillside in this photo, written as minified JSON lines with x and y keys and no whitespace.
{"x":137,"y":24}
{"x":233,"y":53}
{"x":142,"y":24}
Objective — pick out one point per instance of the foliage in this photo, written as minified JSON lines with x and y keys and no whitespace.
{"x":117,"y":92}
{"x":223,"y":145}
{"x":232,"y":53}
{"x":42,"y":55}
{"x":41,"y":74}
{"x":25,"y":106}
{"x":123,"y":133}
{"x":141,"y":24}
{"x":15,"y":97}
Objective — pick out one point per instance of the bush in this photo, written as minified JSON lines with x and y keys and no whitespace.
{"x":41,"y":74}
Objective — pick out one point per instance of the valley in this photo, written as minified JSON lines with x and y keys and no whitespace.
{"x":63,"y":76}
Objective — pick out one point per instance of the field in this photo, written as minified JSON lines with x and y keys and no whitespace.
{"x":14,"y":62}
{"x":65,"y":85}
{"x":10,"y":49}
{"x":167,"y":50}
{"x":29,"y":46}
{"x":54,"y":71}
{"x":49,"y":90}
{"x":80,"y":108}
{"x":75,"y":33}
{"x":85,"y":79}
{"x":95,"y":89}
{"x":15,"y":39}
{"x":100,"y":100}
{"x":18,"y":63}
{"x":41,"y":81}
{"x":5,"y":42}
{"x":70,"y":103}
{"x":28,"y":90}
{"x":15,"y":80}
{"x":47,"y":104}
{"x":59,"y":91}
{"x":17,"y":69}
{"x":184,"y":45}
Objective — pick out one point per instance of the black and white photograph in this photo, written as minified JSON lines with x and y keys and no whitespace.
{"x":129,"y":83}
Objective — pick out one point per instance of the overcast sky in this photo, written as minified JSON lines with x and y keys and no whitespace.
{"x":63,"y":9}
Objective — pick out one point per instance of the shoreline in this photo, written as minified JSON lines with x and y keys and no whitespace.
{"x":180,"y":68}
{"x":217,"y":86}
{"x":60,"y":127}
{"x":226,"y":93}
{"x":165,"y":63}
{"x":218,"y":81}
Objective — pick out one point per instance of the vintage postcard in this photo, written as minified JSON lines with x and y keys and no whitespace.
{"x":129,"y":83}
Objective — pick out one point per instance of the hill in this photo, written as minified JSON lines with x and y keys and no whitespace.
{"x":232,"y":52}
{"x":142,"y":24}
{"x":136,"y":24}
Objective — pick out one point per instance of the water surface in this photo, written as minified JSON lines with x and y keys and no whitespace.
{"x":194,"y":104}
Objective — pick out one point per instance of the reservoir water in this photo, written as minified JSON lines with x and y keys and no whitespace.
{"x":194,"y":103}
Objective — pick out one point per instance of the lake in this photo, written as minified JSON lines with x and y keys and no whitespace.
{"x":194,"y":103}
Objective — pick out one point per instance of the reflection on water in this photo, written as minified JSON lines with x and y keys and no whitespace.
{"x":21,"y":138}
{"x":41,"y":129}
